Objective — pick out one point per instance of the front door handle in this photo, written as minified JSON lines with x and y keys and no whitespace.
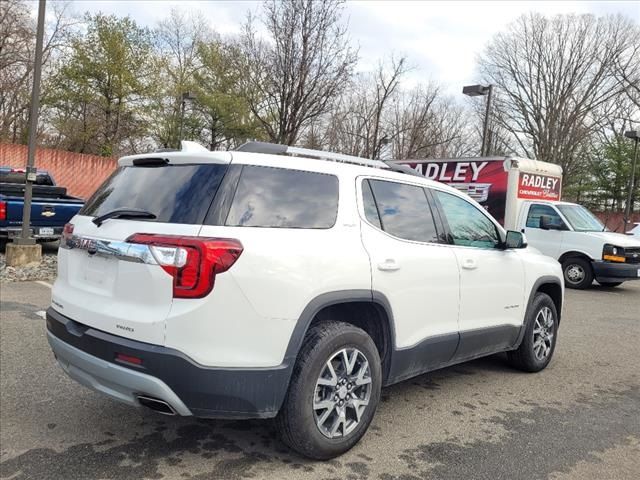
{"x":389,"y":265}
{"x":469,"y":264}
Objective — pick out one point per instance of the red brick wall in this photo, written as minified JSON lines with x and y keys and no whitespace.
{"x":81,"y":174}
{"x":615,"y":220}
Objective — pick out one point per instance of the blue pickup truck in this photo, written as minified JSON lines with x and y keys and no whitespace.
{"x":51,"y":207}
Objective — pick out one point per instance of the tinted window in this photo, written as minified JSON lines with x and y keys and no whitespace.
{"x":469,"y":226}
{"x":404,"y":211}
{"x":370,"y":208}
{"x":19,"y":176}
{"x":278,"y":197}
{"x":174,"y":193}
{"x":536,"y":211}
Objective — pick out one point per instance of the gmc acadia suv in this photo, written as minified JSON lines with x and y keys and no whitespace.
{"x":252,"y":285}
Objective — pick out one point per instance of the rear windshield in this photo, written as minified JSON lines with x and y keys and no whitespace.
{"x":174,"y":193}
{"x":283,"y":198}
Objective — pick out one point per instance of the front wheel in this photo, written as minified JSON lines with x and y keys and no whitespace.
{"x":577,"y":273}
{"x":540,"y":336}
{"x":334,"y":391}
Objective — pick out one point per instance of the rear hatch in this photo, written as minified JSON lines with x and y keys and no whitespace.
{"x":115,"y":282}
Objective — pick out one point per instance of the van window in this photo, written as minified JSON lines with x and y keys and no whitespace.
{"x":468,"y":225}
{"x":174,"y":193}
{"x":284,"y":198}
{"x":536,"y":211}
{"x":404,"y":211}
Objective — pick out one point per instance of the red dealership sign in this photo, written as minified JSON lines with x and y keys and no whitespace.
{"x":483,"y":180}
{"x":532,"y":186}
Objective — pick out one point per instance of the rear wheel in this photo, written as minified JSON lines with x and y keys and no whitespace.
{"x":539,"y":342}
{"x":334,"y":391}
{"x":577,"y":273}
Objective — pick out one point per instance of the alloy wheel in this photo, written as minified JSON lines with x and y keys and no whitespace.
{"x":543,"y":331}
{"x":342,"y":393}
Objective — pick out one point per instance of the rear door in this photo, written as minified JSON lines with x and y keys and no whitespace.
{"x":414,"y":269}
{"x":106,"y":282}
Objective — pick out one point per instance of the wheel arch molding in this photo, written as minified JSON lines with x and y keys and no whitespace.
{"x":326,"y":307}
{"x":549,"y":285}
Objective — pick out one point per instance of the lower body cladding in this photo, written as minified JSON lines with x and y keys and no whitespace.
{"x":615,"y":272}
{"x":165,"y":380}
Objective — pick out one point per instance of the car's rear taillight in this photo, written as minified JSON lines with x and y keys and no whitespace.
{"x":3,"y":210}
{"x":193,"y":262}
{"x":67,"y":233}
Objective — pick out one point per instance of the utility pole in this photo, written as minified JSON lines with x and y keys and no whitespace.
{"x":25,"y":235}
{"x":24,"y":248}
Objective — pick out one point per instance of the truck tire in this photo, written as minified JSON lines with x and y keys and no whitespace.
{"x":610,"y":284}
{"x":539,"y":341}
{"x":333,"y":393}
{"x":577,"y":273}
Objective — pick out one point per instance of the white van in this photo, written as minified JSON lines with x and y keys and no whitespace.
{"x":525,"y":195}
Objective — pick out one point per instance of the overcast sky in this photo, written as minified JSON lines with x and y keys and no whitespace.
{"x":440,"y":39}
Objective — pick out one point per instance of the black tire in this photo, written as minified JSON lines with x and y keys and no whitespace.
{"x":525,"y":358}
{"x":610,"y":284}
{"x":577,"y":273}
{"x":296,"y":422}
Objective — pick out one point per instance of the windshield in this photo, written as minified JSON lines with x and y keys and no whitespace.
{"x":581,"y":219}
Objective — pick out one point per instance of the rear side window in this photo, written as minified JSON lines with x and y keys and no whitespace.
{"x":404,"y":211}
{"x":174,"y":193}
{"x":283,"y":198}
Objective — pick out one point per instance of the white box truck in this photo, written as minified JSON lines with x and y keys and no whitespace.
{"x":525,"y":195}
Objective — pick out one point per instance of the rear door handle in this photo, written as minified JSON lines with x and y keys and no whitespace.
{"x":389,"y":265}
{"x":469,"y":264}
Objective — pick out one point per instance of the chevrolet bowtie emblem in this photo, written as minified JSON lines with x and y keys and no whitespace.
{"x":48,"y":214}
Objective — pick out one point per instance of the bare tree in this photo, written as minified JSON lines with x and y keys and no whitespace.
{"x":551,"y":75}
{"x":292,"y":77}
{"x":424,"y":124}
{"x":357,"y":125}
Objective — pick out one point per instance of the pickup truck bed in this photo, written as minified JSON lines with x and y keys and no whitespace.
{"x":51,"y":208}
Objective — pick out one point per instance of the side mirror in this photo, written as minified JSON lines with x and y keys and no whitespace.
{"x":547,"y":223}
{"x":515,"y":240}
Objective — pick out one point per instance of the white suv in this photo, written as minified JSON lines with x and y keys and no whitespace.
{"x":252,"y":285}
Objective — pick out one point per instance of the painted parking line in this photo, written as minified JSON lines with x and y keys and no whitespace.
{"x":46,"y":284}
{"x":42,"y":314}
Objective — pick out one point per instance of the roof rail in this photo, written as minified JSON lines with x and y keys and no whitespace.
{"x":277,"y":149}
{"x":396,"y":167}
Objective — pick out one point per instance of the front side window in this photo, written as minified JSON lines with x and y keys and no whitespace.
{"x":283,"y":198}
{"x":404,"y":211}
{"x":468,"y":225}
{"x":537,"y":211}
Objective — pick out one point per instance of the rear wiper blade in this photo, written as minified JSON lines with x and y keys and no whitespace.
{"x":123,"y":213}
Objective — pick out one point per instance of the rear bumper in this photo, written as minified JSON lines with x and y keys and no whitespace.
{"x":11,"y":232}
{"x":615,"y":272}
{"x":88,"y":356}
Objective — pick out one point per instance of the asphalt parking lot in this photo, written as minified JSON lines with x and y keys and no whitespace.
{"x":579,"y":419}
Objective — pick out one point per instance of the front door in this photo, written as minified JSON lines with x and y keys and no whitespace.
{"x":491,"y":279}
{"x":549,"y":242}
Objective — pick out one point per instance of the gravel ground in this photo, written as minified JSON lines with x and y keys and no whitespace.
{"x":46,"y":270}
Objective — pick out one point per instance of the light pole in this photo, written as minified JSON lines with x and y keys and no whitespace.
{"x":634,"y":135}
{"x":185,"y":96}
{"x":25,"y":234}
{"x":481,"y":90}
